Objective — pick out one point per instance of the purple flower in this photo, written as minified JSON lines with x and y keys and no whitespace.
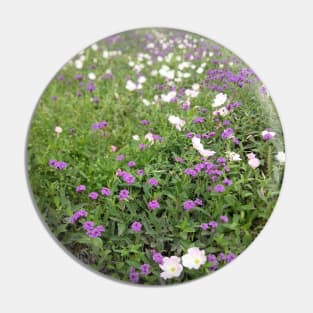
{"x":179,"y":160}
{"x":229,"y":257}
{"x":157,"y":257}
{"x":95,"y":232}
{"x":90,"y":86}
{"x":142,"y":146}
{"x":106,"y":191}
{"x":140,"y":172}
{"x":228,"y":132}
{"x":189,"y":135}
{"x":236,"y":141}
{"x":153,"y":204}
{"x":198,"y":120}
{"x":131,"y":163}
{"x":226,"y":122}
{"x":136,"y":226}
{"x":185,"y":105}
{"x":204,"y":226}
{"x":93,"y":195}
{"x":188,"y":205}
{"x":267,"y":136}
{"x":80,"y":188}
{"x":198,"y":202}
{"x":153,"y":182}
{"x":221,"y":257}
{"x":133,"y":275}
{"x":127,"y":178}
{"x":120,"y":157}
{"x":59,"y":165}
{"x":213,"y":224}
{"x":227,"y":182}
{"x":88,"y":225}
{"x":144,"y":122}
{"x":99,"y":125}
{"x":123,"y":195}
{"x":145,"y":269}
{"x":190,"y":172}
{"x":221,"y":161}
{"x":212,"y":258}
{"x":223,"y":218}
{"x":77,"y":215}
{"x":219,"y":188}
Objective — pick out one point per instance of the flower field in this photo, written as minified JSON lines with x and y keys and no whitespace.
{"x":155,"y":156}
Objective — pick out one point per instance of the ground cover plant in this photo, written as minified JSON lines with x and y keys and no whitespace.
{"x":155,"y":156}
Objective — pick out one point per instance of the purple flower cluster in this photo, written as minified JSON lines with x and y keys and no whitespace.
{"x":144,"y":122}
{"x":153,"y":182}
{"x":80,"y":188}
{"x":77,"y":215}
{"x":136,"y":226}
{"x":157,"y":257}
{"x":219,"y":79}
{"x":131,"y":163}
{"x":93,"y":195}
{"x":133,"y":275}
{"x":59,"y":165}
{"x":91,"y":231}
{"x":227,"y":133}
{"x":153,"y":204}
{"x":190,"y":204}
{"x":99,"y":125}
{"x":106,"y":191}
{"x":126,"y":177}
{"x":123,"y":195}
{"x":198,"y":120}
{"x":145,"y":269}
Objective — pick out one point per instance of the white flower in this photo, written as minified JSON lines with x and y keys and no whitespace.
{"x":268,"y":134}
{"x":194,"y":258}
{"x":175,"y":120}
{"x":94,"y":47}
{"x":141,"y":79}
{"x":149,"y":137}
{"x":146,"y":102}
{"x":130,"y":85}
{"x":136,"y":137}
{"x":222,"y":111}
{"x":92,"y":76}
{"x":219,"y":100}
{"x":195,"y":86}
{"x":199,"y":147}
{"x":165,"y":71}
{"x":168,"y":97}
{"x":233,"y":156}
{"x":58,"y":129}
{"x":200,"y":70}
{"x":105,"y":54}
{"x":171,"y":267}
{"x":78,"y":64}
{"x":280,"y":157}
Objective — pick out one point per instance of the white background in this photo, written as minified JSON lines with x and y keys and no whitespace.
{"x":274,"y":38}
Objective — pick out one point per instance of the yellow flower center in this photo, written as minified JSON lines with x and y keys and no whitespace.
{"x":172,"y":269}
{"x":197,"y":261}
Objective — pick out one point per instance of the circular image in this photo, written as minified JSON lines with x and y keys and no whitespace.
{"x":155,"y":156}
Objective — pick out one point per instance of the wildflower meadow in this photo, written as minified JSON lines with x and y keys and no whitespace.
{"x":155,"y":156}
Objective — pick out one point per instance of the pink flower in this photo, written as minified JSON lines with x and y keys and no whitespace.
{"x":113,"y":148}
{"x":254,"y":163}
